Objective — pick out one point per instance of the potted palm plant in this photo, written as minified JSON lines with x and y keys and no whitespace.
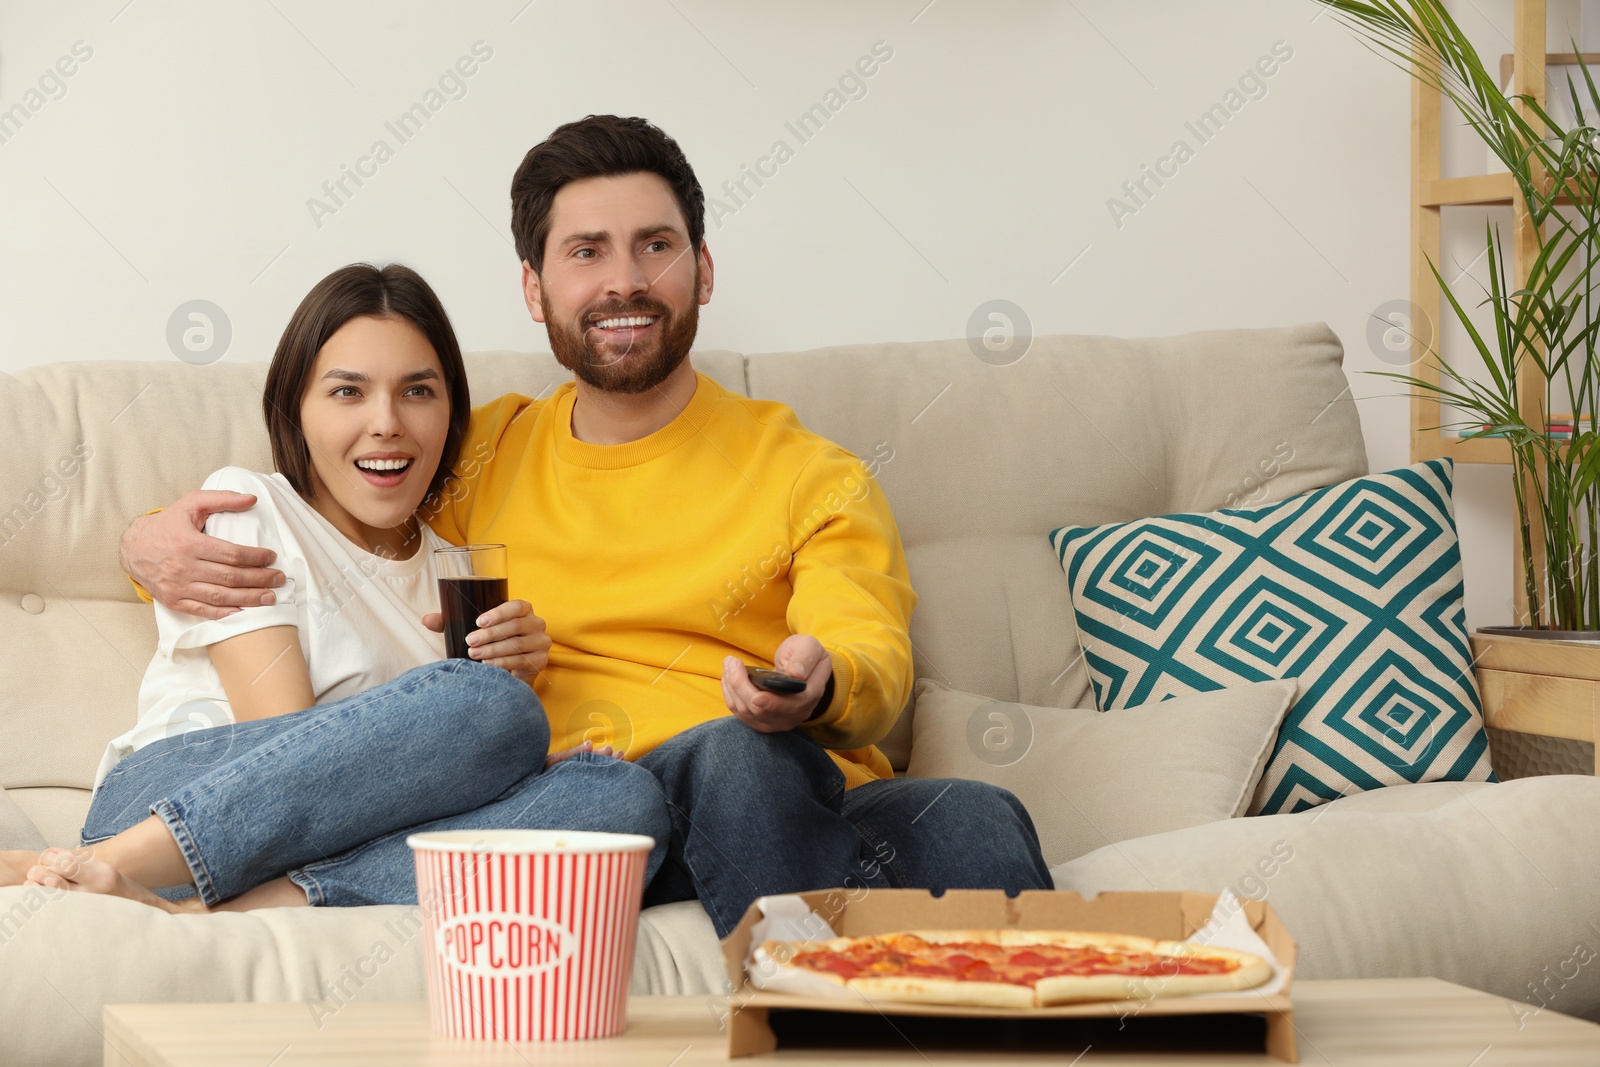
{"x":1551,"y":320}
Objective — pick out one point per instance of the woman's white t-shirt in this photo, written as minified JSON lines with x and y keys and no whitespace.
{"x":359,"y":615}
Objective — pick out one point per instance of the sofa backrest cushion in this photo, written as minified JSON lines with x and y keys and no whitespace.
{"x":979,"y":463}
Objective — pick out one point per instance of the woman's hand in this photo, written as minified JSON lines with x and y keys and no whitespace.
{"x":512,"y":637}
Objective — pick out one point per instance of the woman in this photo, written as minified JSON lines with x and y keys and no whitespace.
{"x":284,"y":753}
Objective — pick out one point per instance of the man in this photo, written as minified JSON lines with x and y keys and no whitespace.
{"x":669,"y":531}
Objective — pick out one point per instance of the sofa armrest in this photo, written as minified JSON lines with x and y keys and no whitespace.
{"x":1538,"y":686}
{"x":16,"y":829}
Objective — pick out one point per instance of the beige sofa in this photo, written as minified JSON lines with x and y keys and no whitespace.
{"x":1490,"y":885}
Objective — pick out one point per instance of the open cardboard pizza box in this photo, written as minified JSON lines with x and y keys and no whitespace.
{"x":858,"y":913}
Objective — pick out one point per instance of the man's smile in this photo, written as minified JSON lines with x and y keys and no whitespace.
{"x":625,"y":327}
{"x":617,"y":321}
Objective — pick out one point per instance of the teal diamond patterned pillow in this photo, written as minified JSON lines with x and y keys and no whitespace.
{"x":1354,"y":589}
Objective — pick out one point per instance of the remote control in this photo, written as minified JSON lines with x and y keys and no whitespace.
{"x":775,"y":681}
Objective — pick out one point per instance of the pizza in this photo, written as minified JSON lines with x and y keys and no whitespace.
{"x":1017,"y":968}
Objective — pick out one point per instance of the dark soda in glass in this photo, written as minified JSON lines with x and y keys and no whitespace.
{"x":462,"y":599}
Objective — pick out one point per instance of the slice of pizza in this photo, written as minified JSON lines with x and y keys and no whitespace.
{"x":1018,"y":968}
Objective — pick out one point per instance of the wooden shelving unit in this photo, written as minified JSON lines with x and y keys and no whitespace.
{"x":1528,"y":686}
{"x":1430,"y":195}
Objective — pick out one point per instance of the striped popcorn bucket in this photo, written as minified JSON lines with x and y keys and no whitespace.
{"x":530,"y":932}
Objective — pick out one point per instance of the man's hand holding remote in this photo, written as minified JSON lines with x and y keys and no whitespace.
{"x":799,"y":656}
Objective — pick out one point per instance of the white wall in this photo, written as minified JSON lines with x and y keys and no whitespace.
{"x":178,"y":162}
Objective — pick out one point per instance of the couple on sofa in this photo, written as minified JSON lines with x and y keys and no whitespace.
{"x":292,"y":735}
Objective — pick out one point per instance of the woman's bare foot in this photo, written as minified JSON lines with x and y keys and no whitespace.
{"x":61,"y":868}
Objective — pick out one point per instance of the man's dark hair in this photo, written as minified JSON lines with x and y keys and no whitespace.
{"x":597,"y":146}
{"x":392,"y":292}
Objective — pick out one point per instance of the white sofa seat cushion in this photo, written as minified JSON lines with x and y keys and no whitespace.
{"x":1487,"y":885}
{"x":70,"y":954}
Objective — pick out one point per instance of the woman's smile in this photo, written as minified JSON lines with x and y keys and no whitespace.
{"x":386,"y":469}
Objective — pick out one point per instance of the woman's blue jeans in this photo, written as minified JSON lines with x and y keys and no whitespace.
{"x":328,"y":795}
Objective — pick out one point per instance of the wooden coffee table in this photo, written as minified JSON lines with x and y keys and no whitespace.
{"x":1398,"y":1022}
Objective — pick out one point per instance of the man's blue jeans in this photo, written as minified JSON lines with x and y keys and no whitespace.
{"x":754,"y":814}
{"x":328,"y":795}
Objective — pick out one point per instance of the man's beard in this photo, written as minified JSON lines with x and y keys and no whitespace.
{"x":626,"y":368}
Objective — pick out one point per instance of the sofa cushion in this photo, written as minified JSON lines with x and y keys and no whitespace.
{"x":1089,"y":779}
{"x":1488,"y":885}
{"x":57,"y":944}
{"x":1354,"y":589}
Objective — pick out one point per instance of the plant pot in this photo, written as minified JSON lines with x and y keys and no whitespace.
{"x":1541,"y":635}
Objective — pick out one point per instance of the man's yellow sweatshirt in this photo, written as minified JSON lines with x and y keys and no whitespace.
{"x":720,"y":534}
